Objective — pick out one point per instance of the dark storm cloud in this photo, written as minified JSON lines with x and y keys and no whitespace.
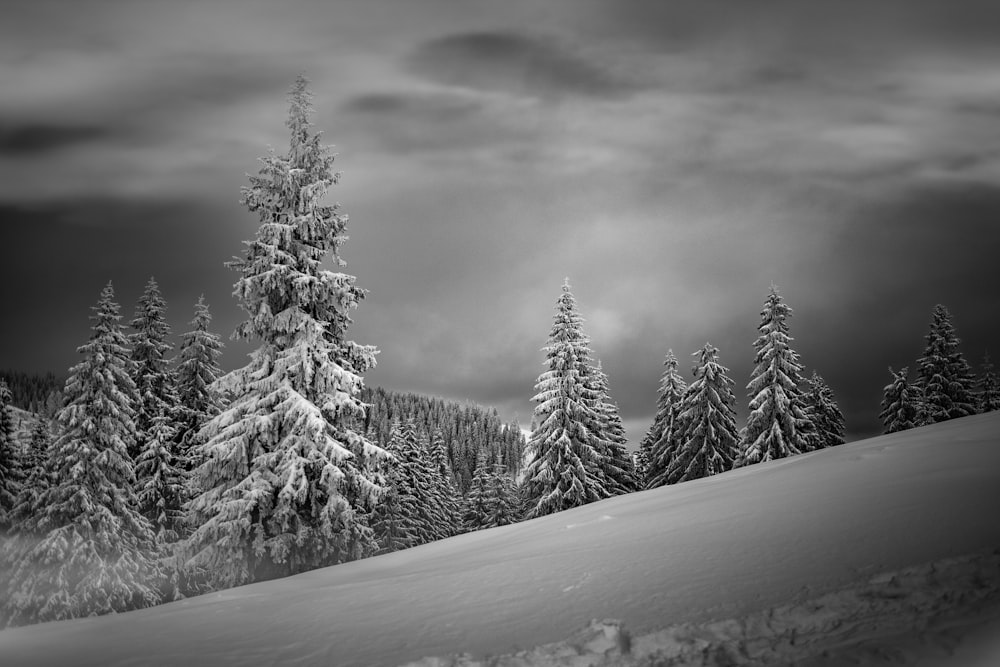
{"x":516,"y":63}
{"x":19,"y":140}
{"x":807,"y":24}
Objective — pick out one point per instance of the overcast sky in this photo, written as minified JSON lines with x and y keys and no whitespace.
{"x":672,"y":158}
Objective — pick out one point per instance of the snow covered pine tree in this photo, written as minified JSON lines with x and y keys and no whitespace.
{"x":197,"y":371}
{"x":943,"y":376}
{"x":564,"y":448}
{"x":987,"y":387}
{"x":82,"y":548}
{"x":824,"y":413}
{"x":778,"y":424}
{"x":899,"y":403}
{"x":153,"y":377}
{"x":706,"y":425}
{"x":663,"y":435}
{"x":617,"y":467}
{"x":286,"y":484}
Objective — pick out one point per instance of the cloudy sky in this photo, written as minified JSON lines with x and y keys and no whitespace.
{"x":672,"y":158}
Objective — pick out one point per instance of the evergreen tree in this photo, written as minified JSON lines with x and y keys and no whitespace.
{"x":564,"y":448}
{"x":38,"y":447}
{"x":707,"y":435}
{"x":443,"y":488}
{"x":36,"y":472}
{"x":396,"y":520}
{"x":663,"y":435}
{"x":899,"y":403}
{"x":420,"y":478}
{"x":943,"y":376}
{"x":824,"y":414}
{"x":160,"y":496}
{"x":492,"y":500}
{"x":197,"y":370}
{"x":988,"y":394}
{"x":84,"y":549}
{"x":777,"y":425}
{"x":151,"y":373}
{"x":615,"y":462}
{"x":287,"y":483}
{"x":503,"y":507}
{"x":9,"y":460}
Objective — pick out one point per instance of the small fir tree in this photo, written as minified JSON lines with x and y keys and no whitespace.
{"x":443,"y":487}
{"x":616,"y":465}
{"x":476,"y":505}
{"x":287,"y":482}
{"x":777,"y":425}
{"x":824,"y":414}
{"x":36,"y":471}
{"x":988,"y":394}
{"x":564,"y":447}
{"x":900,"y":409}
{"x":943,"y":376}
{"x":84,"y":549}
{"x":161,"y":494}
{"x":664,"y":434}
{"x":397,"y":520}
{"x":707,"y":422}
{"x":502,"y":506}
{"x":151,"y":372}
{"x":197,"y":371}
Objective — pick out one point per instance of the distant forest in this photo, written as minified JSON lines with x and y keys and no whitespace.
{"x":467,"y":428}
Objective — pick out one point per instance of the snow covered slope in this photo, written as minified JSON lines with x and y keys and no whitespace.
{"x":717,"y":548}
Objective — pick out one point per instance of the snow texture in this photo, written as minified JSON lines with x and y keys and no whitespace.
{"x":690,"y":560}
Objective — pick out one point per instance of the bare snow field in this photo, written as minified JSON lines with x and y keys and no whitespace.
{"x":875,"y":552}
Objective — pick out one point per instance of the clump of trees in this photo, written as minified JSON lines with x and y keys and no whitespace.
{"x":944,"y":387}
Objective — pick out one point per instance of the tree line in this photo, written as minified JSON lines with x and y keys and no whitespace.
{"x":944,"y":387}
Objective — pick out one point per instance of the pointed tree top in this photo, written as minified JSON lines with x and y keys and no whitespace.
{"x":566,"y":284}
{"x":300,"y":109}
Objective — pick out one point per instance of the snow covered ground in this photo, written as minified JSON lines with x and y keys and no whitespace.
{"x":827,"y":555}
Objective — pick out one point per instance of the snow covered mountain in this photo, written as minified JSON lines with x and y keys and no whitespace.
{"x":903,"y":525}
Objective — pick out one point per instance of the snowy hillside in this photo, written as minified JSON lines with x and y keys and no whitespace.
{"x":770,"y":536}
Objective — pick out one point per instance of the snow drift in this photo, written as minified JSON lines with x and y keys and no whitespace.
{"x":738,"y":545}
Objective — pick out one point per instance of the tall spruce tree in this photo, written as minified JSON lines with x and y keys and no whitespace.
{"x":197,"y":371}
{"x":565,"y":446}
{"x":707,"y":437}
{"x":824,"y":414}
{"x":943,"y":376}
{"x":778,"y":425}
{"x":85,"y":550}
{"x":988,"y":388}
{"x":616,"y":465}
{"x":10,"y":462}
{"x":663,"y":435}
{"x":900,"y":403}
{"x":151,"y":372}
{"x":287,"y":483}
